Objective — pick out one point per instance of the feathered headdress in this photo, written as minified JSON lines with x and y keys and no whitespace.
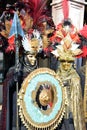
{"x":67,"y":37}
{"x":31,"y":45}
{"x":67,"y":49}
{"x":39,"y":11}
{"x":65,"y":8}
{"x":5,"y":32}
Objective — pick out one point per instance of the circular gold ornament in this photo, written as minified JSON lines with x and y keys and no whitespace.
{"x":41,"y":100}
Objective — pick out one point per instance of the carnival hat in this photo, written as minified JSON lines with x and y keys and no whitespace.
{"x":67,"y":49}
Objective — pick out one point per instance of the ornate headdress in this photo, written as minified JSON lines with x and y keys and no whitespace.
{"x":39,"y":11}
{"x":67,"y":37}
{"x":67,"y":49}
{"x":31,"y":45}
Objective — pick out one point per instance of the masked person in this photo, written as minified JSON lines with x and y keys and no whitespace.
{"x":27,"y":63}
{"x":66,"y":52}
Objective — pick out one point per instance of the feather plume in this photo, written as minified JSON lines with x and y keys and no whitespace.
{"x":5,"y":32}
{"x":38,"y":10}
{"x":65,"y":8}
{"x":26,"y":44}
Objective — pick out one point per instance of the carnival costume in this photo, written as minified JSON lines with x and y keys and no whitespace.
{"x":66,"y":52}
{"x":31,"y":14}
{"x":24,"y":68}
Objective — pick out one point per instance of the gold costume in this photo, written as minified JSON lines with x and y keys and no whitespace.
{"x":66,"y":52}
{"x":74,"y":104}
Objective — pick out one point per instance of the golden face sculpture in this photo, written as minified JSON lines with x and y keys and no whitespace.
{"x":45,"y":97}
{"x":34,"y":45}
{"x":31,"y":58}
{"x":66,"y":65}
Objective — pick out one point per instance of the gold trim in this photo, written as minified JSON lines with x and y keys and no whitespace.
{"x":22,"y":108}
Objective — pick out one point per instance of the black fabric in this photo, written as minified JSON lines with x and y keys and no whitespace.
{"x":66,"y":124}
{"x":9,"y":95}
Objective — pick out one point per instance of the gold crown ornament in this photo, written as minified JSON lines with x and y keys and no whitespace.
{"x":31,"y":45}
{"x":67,"y":49}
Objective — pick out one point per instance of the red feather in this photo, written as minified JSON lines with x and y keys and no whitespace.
{"x":65,"y":9}
{"x":11,"y":44}
{"x":38,"y":10}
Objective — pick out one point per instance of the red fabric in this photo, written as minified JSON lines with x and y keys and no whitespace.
{"x":83,"y":32}
{"x":84,"y":54}
{"x":84,"y":49}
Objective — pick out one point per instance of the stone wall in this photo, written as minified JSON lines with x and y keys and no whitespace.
{"x":76,"y":12}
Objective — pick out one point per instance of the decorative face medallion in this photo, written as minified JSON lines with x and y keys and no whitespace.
{"x":43,"y":96}
{"x":41,"y":101}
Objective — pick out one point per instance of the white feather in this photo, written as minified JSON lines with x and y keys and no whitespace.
{"x":55,"y":52}
{"x":26,"y":43}
{"x":60,"y":47}
{"x":74,"y":46}
{"x":36,"y":34}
